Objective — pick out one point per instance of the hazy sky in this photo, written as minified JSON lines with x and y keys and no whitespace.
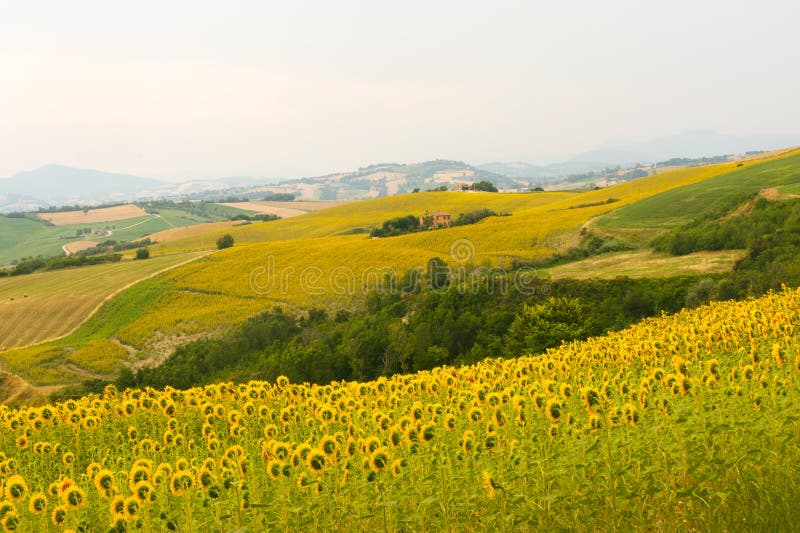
{"x":200,"y":89}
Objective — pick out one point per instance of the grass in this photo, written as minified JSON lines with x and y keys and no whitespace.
{"x":646,"y":264}
{"x":14,"y":231}
{"x":643,"y":220}
{"x":44,"y":305}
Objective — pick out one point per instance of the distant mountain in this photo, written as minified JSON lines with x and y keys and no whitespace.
{"x":56,"y":183}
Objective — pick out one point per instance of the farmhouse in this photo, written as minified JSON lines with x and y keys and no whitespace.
{"x":435,"y":219}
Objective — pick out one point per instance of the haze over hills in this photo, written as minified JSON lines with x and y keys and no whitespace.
{"x":56,"y":185}
{"x":626,"y":153}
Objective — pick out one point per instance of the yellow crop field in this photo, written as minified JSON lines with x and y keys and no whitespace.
{"x":688,"y":422}
{"x":364,"y":214}
{"x":46,"y":305}
{"x":170,"y":235}
{"x":313,"y":267}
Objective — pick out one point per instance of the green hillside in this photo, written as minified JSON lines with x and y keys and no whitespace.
{"x":713,"y":197}
{"x":29,"y":236}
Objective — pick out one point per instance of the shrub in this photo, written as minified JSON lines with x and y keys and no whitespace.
{"x":143,"y":253}
{"x":226,"y":241}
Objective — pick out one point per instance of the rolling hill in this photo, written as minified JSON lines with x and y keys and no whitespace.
{"x":324,"y":259}
{"x":684,"y":420}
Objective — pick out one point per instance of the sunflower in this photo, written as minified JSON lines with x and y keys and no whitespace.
{"x":631,"y":414}
{"x":411,"y":434}
{"x":315,"y":460}
{"x":59,"y":515}
{"x":468,"y":441}
{"x":144,"y":492}
{"x":10,"y":522}
{"x":304,"y":482}
{"x":7,"y":508}
{"x":131,"y":507}
{"x":371,"y":444}
{"x":397,"y":466}
{"x":74,"y":497}
{"x":489,"y":485}
{"x":328,"y":445}
{"x":281,"y":450}
{"x":553,"y":410}
{"x":427,"y":432}
{"x":180,"y":482}
{"x":16,"y":489}
{"x":595,"y":422}
{"x":378,"y":459}
{"x":274,"y":468}
{"x":205,"y":479}
{"x":396,"y":436}
{"x":117,"y":508}
{"x":38,"y":503}
{"x":475,"y":414}
{"x":104,"y":482}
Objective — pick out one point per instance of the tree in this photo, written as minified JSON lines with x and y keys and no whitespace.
{"x":226,"y":241}
{"x":545,"y":325}
{"x":487,"y":186}
{"x":438,"y":274}
{"x":143,"y":253}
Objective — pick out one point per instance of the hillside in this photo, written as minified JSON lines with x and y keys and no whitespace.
{"x":323,"y":259}
{"x":715,"y":197}
{"x":271,"y":262}
{"x":684,"y":421}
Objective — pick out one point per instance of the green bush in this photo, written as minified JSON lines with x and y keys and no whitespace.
{"x":226,"y":241}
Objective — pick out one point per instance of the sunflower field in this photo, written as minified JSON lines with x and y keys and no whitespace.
{"x":684,"y":422}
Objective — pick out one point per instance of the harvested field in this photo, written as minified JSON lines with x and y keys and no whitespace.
{"x":93,"y":216}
